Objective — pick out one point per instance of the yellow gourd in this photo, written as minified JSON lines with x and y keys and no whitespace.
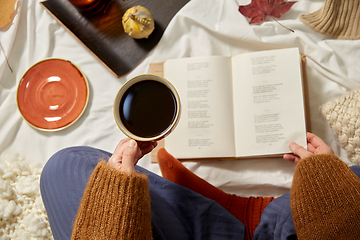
{"x":138,"y":22}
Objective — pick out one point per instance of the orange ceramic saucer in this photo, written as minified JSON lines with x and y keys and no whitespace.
{"x":52,"y":94}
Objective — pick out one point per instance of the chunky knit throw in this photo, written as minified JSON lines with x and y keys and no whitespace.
{"x":325,"y":199}
{"x":22,"y":212}
{"x":115,"y":205}
{"x":343,"y":116}
{"x":337,"y":19}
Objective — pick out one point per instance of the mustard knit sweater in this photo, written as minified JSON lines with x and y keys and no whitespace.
{"x":115,"y":205}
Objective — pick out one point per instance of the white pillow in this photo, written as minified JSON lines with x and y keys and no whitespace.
{"x":343,"y":116}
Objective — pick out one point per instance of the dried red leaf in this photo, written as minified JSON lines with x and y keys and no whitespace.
{"x":257,"y":10}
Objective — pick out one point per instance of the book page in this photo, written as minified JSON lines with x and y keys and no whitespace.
{"x":206,"y":127}
{"x":268,"y":102}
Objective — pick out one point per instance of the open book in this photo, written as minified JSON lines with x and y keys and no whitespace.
{"x":249,"y":105}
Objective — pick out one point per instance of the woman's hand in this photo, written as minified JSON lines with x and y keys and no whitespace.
{"x":315,"y":145}
{"x":128,"y":152}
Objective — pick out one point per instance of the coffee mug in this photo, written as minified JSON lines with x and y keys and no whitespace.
{"x":147,"y":108}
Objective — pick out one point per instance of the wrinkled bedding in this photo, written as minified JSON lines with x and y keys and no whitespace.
{"x":200,"y":28}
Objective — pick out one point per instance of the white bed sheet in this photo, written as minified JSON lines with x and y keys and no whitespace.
{"x":202,"y":27}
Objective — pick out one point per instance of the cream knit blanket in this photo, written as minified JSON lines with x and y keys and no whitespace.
{"x":343,"y":116}
{"x":22,"y":213}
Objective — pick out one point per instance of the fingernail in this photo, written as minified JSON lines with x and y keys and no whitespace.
{"x":292,"y":144}
{"x":132,"y":143}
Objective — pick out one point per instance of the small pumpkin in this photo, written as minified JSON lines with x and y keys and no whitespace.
{"x":138,"y":22}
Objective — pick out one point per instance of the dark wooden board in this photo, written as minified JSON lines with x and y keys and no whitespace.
{"x":103,"y":34}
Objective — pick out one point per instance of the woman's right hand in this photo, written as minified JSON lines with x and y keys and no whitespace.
{"x":128,"y":152}
{"x":315,"y":145}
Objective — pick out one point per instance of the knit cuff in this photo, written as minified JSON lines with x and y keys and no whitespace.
{"x":337,"y":19}
{"x":325,"y":199}
{"x":115,"y":205}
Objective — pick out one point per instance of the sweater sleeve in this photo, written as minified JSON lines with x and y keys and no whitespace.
{"x":115,"y":205}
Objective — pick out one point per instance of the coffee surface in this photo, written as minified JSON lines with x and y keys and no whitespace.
{"x":147,"y":108}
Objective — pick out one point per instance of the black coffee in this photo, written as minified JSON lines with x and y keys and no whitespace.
{"x":147,"y":108}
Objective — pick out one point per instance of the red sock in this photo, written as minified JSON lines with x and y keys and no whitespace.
{"x":247,"y":210}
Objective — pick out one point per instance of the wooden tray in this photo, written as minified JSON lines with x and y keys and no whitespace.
{"x":103,"y":34}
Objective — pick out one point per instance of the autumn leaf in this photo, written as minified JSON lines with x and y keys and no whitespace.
{"x":7,"y":8}
{"x":257,"y":10}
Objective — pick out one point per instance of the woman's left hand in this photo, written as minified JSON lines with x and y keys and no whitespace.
{"x":128,"y":152}
{"x":315,"y":145}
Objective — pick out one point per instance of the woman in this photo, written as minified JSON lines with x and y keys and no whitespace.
{"x":86,"y":197}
